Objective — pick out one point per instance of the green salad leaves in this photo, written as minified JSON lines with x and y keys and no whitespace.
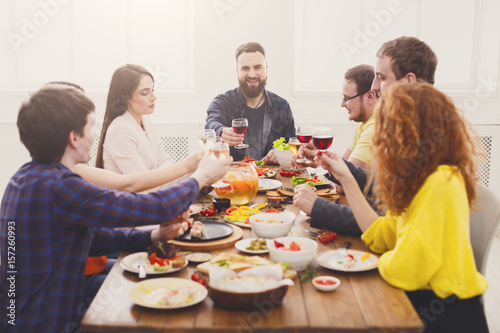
{"x":280,"y":144}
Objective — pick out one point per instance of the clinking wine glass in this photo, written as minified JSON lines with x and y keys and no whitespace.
{"x":304,"y":135}
{"x":294,"y":145}
{"x":219,"y":150}
{"x":206,"y":138}
{"x":240,"y":126}
{"x":322,"y":138}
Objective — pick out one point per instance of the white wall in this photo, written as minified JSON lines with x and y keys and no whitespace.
{"x":189,"y":45}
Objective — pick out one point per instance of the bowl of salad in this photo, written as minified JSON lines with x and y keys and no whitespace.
{"x":283,"y":153}
{"x":271,"y":225}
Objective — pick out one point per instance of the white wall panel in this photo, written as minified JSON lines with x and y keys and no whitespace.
{"x":99,"y":41}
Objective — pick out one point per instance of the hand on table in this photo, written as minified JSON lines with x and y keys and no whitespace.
{"x":232,"y":138}
{"x":304,"y":198}
{"x":270,"y":158}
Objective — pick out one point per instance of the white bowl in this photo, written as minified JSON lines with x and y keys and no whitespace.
{"x":326,"y":287}
{"x":298,"y":260}
{"x":284,"y":158}
{"x":265,"y":230}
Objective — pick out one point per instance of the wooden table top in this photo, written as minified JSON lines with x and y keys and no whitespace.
{"x":364,"y":302}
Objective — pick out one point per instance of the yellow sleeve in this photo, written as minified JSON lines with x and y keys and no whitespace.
{"x":381,"y":235}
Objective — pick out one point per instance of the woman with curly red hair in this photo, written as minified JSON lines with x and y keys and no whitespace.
{"x":425,"y":181}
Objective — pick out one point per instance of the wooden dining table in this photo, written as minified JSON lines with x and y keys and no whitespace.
{"x":363,"y":302}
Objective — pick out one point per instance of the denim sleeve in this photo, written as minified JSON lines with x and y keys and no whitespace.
{"x":218,"y":114}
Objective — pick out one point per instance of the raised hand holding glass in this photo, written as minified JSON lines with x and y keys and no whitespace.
{"x":240,"y":126}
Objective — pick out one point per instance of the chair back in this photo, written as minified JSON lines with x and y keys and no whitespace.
{"x":484,"y":225}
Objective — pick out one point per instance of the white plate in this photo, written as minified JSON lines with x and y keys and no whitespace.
{"x":244,"y":243}
{"x":195,"y":209}
{"x":132,"y":261}
{"x":269,"y":184}
{"x":329,"y":260}
{"x":241,"y":225}
{"x":147,"y":293}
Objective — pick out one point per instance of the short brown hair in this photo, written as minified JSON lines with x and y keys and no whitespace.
{"x":45,"y":121}
{"x":362,"y":75}
{"x":248,"y":48}
{"x":410,"y":55}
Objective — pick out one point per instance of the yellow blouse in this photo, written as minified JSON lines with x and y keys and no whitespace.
{"x":428,"y":247}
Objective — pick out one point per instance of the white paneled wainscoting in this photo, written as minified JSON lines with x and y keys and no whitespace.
{"x":180,"y":140}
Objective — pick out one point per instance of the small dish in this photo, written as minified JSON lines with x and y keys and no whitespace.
{"x":221,"y":204}
{"x":326,"y":283}
{"x":242,"y":245}
{"x":199,"y":257}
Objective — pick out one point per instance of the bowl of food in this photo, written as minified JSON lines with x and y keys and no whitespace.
{"x":271,"y":225}
{"x":284,"y":158}
{"x":326,"y":283}
{"x":298,"y":252}
{"x":246,"y":300}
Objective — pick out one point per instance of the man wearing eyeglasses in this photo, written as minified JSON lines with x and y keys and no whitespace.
{"x":404,"y":59}
{"x":359,"y":101}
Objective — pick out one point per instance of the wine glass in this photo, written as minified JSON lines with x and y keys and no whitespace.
{"x":304,"y":134}
{"x":322,"y":138}
{"x":206,"y":138}
{"x":240,"y":126}
{"x":294,"y":145}
{"x":219,"y":150}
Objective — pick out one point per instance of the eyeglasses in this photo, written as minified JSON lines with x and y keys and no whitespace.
{"x":345,"y":100}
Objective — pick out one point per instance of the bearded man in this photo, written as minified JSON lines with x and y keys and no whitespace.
{"x":269,"y":116}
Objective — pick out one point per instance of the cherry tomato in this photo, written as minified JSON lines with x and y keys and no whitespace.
{"x":282,"y":172}
{"x":202,"y":282}
{"x":211,"y":212}
{"x":278,"y":244}
{"x":323,"y":239}
{"x":203,"y":212}
{"x":195,"y":277}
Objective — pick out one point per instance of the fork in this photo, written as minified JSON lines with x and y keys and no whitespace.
{"x":342,"y":252}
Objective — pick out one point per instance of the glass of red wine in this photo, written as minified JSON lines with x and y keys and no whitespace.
{"x":322,"y":138}
{"x":240,"y":126}
{"x":304,"y":134}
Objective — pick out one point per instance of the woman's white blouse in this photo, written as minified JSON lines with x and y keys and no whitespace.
{"x":128,"y":148}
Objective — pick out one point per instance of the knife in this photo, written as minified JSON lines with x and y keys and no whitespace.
{"x":312,"y":233}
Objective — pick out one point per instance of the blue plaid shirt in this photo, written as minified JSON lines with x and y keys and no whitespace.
{"x":278,"y":118}
{"x":57,"y":220}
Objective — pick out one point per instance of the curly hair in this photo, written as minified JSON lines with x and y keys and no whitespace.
{"x":418,"y":128}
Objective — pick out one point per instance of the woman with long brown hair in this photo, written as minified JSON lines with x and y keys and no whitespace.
{"x":425,"y":181}
{"x":128,"y":142}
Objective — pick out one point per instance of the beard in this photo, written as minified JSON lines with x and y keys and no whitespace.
{"x":252,"y":92}
{"x":361,"y":115}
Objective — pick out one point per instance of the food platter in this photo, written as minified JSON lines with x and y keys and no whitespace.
{"x":329,"y":260}
{"x":244,"y":243}
{"x":131,"y":264}
{"x":150,"y":293}
{"x":269,"y":184}
{"x":213,"y":231}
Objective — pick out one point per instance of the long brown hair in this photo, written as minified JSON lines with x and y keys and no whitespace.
{"x":124,"y":82}
{"x":418,"y":128}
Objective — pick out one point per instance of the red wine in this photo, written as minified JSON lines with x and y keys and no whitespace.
{"x":240,"y":129}
{"x":322,"y":142}
{"x":304,"y":138}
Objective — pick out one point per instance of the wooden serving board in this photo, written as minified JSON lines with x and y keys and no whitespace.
{"x":214,"y":245}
